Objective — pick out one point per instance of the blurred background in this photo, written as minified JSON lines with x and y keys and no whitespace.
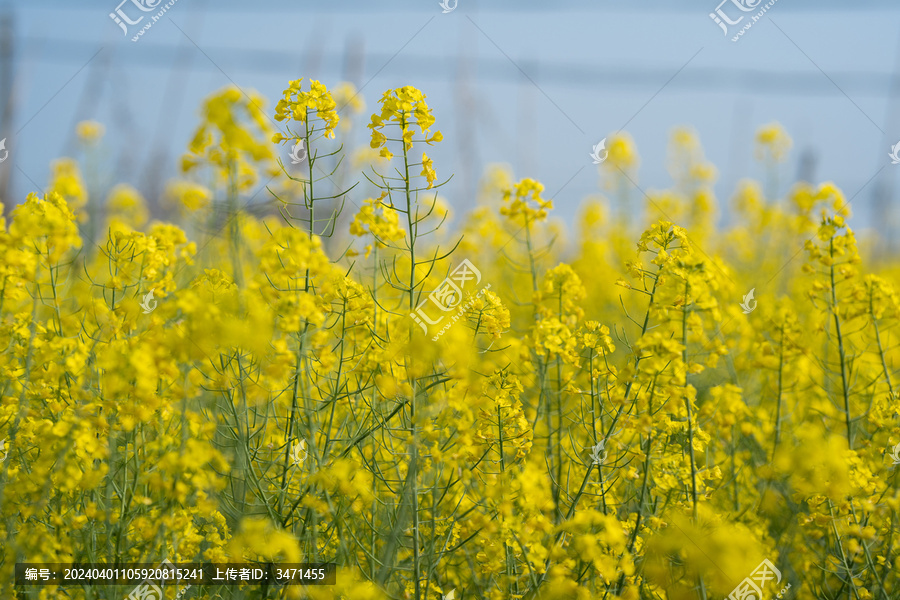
{"x":531,"y":84}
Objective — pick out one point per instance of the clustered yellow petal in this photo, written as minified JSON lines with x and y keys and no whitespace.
{"x":297,"y":105}
{"x":523,"y":202}
{"x":233,"y":138}
{"x":499,"y":409}
{"x":404,"y":107}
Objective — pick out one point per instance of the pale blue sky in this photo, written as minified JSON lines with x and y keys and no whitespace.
{"x":514,"y":82}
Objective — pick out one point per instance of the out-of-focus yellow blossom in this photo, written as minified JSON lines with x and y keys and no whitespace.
{"x":379,"y":220}
{"x":66,"y":180}
{"x":347,"y":96}
{"x":621,"y":152}
{"x":773,"y":143}
{"x":502,"y":421}
{"x":364,"y":156}
{"x":258,"y":539}
{"x":518,"y":201}
{"x":596,"y":414}
{"x":561,"y":293}
{"x":126,"y":206}
{"x":233,"y":139}
{"x":349,"y":100}
{"x":188,"y":195}
{"x":90,"y":132}
{"x":489,"y":315}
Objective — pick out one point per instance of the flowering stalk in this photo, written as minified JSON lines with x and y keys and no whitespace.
{"x":845,"y":384}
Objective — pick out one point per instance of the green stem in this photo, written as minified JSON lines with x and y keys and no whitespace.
{"x":413,"y":455}
{"x":845,"y":385}
{"x":687,"y":401}
{"x":780,"y":392}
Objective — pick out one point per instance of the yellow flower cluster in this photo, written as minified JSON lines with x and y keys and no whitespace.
{"x":523,"y":202}
{"x":379,"y":221}
{"x":773,"y":143}
{"x":406,"y":108}
{"x":297,"y":105}
{"x":233,"y":139}
{"x":484,"y":418}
